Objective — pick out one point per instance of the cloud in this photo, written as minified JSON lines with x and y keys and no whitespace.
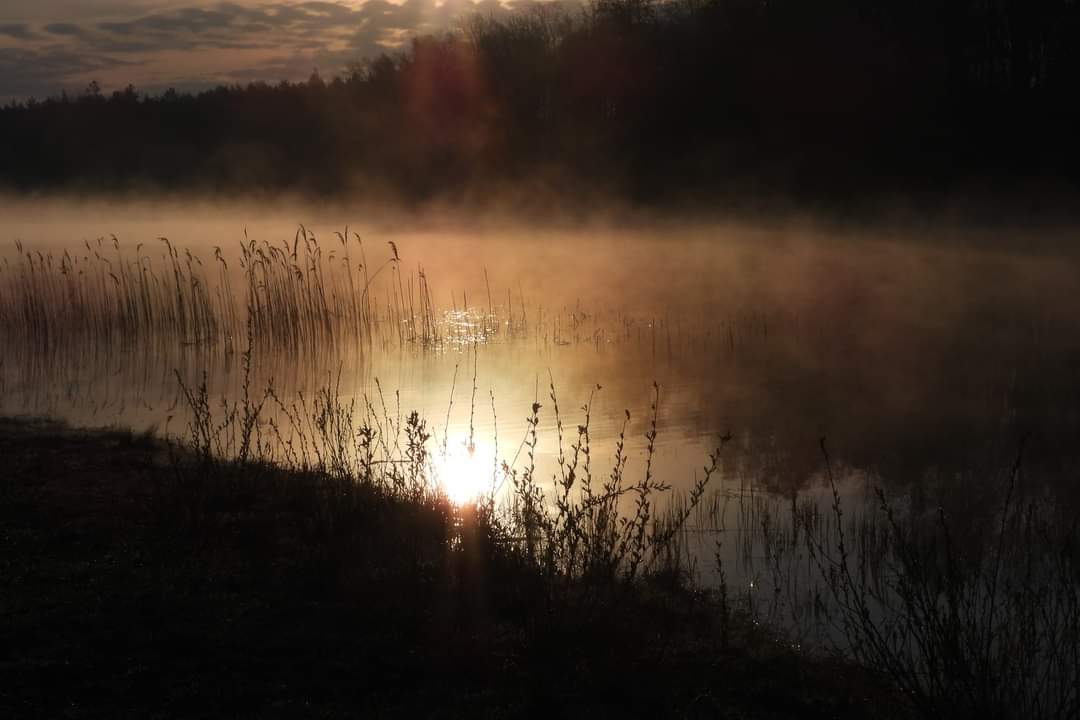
{"x":19,"y":31}
{"x":231,"y":19}
{"x":269,"y":41}
{"x":23,"y":73}
{"x":63,"y":29}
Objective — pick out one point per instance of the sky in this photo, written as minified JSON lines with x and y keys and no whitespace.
{"x":51,"y":45}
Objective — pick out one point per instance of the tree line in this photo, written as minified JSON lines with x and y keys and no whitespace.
{"x":649,"y":100}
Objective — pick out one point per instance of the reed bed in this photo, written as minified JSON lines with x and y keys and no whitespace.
{"x":971,"y":613}
{"x":105,"y":295}
{"x":294,"y":294}
{"x":304,"y":294}
{"x":968,"y":620}
{"x":577,"y":525}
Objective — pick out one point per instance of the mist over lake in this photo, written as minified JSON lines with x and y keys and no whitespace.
{"x":917,"y":352}
{"x":629,"y":358}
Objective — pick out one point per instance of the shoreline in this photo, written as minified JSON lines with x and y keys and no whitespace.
{"x":139,"y":587}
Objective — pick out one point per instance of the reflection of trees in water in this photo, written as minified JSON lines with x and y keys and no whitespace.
{"x":967,"y":596}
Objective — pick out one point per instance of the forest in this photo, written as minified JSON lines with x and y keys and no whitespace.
{"x":652,"y":102}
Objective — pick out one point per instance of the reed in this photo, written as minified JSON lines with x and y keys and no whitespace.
{"x":967,"y":623}
{"x":970,"y":616}
{"x":294,"y":296}
{"x":104,"y":295}
{"x":298,"y":294}
{"x":570,"y":527}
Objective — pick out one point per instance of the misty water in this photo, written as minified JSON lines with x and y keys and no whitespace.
{"x":921,"y":352}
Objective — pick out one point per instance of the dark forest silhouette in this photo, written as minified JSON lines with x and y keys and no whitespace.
{"x":649,"y":101}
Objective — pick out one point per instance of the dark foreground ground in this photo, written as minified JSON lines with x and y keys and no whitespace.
{"x":133,"y":588}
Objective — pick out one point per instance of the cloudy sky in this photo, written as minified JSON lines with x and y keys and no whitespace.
{"x":52,"y":45}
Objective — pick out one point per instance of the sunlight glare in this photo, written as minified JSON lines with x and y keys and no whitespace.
{"x":462,"y":475}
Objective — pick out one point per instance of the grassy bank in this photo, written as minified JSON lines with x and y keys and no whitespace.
{"x":143,"y":582}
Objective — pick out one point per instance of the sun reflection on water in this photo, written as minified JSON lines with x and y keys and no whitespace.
{"x":468,"y":327}
{"x":466,"y":473}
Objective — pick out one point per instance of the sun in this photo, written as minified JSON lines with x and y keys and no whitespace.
{"x":463,"y":475}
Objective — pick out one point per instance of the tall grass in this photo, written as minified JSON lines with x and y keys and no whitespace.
{"x":301,"y":293}
{"x":572,"y":526}
{"x":971,"y":613}
{"x":107,"y":295}
{"x":575,"y":525}
{"x":294,"y":294}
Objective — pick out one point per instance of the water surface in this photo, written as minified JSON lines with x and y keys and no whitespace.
{"x":922,"y":356}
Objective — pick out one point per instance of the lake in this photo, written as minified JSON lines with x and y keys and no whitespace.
{"x":921,"y":352}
